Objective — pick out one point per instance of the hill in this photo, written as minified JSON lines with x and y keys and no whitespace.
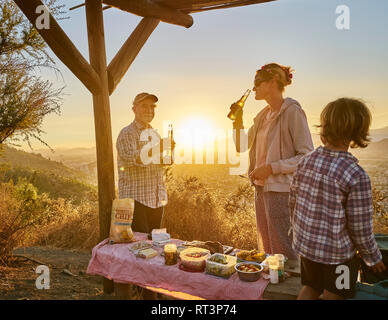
{"x":20,"y":159}
{"x":377,"y":149}
{"x":379,"y":134}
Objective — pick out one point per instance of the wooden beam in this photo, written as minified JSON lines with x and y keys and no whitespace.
{"x":147,"y":8}
{"x":83,"y":4}
{"x":229,"y":5}
{"x":190,"y":6}
{"x":62,"y":46}
{"x":128,"y":52}
{"x":102,"y":120}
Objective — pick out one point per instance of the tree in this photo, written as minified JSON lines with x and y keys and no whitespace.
{"x":25,"y":98}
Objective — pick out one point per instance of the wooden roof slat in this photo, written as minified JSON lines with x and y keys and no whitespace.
{"x":203,"y":5}
{"x":150,"y":9}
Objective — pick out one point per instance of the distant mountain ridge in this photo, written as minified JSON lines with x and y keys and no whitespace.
{"x":383,"y":130}
{"x":378,"y":149}
{"x":83,"y":160}
{"x":379,"y":134}
{"x":18,"y":158}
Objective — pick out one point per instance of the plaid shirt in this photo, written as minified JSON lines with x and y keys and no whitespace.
{"x":331,"y":209}
{"x":138,"y":181}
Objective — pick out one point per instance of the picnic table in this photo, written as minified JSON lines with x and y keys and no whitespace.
{"x":116,"y":262}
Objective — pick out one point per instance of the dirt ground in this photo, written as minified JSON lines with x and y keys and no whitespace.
{"x":68,"y":278}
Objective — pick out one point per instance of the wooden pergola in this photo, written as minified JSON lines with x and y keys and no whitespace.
{"x":102,"y":79}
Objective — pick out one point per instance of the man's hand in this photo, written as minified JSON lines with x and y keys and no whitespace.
{"x":167,"y":161}
{"x":379,"y":267}
{"x":261,"y":173}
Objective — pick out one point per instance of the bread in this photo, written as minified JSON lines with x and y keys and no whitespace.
{"x":212,"y":246}
{"x":147,"y":253}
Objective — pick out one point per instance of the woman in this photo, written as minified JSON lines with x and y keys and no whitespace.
{"x":278,"y":138}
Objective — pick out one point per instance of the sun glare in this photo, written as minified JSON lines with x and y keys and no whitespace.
{"x":196,"y":131}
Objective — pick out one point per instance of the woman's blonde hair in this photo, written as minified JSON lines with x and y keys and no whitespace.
{"x":346,"y":121}
{"x":281,"y":74}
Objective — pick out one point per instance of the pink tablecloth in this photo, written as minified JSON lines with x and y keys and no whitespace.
{"x":117,"y":263}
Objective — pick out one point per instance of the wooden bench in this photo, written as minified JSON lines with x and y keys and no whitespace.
{"x":289,"y":289}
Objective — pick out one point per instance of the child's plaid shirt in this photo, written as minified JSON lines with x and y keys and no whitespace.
{"x":142,"y":182}
{"x":331,"y":209}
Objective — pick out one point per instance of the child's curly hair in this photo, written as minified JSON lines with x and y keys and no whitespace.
{"x":281,"y":74}
{"x":345,"y":121}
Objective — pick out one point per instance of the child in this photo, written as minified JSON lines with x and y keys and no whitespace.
{"x":331,"y":206}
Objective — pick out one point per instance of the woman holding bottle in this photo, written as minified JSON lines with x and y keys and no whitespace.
{"x":278,"y":138}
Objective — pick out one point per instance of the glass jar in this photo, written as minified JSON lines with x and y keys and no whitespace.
{"x":280,"y":259}
{"x":170,"y":254}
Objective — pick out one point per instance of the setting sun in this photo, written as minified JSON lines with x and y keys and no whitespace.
{"x":195,"y":131}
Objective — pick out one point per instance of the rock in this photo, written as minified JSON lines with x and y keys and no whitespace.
{"x":67,"y":272}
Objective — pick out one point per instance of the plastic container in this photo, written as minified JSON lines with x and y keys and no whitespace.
{"x":273,"y":274}
{"x":194,"y":258}
{"x":273,"y":265}
{"x":248,"y":276}
{"x":218,"y":268}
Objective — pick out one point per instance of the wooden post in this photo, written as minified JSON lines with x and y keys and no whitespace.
{"x":102,"y":121}
{"x":122,"y":291}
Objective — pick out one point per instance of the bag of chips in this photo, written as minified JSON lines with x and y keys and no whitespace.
{"x":121,"y":221}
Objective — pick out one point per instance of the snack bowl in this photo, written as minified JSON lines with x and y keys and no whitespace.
{"x":194,"y":258}
{"x":246,"y":275}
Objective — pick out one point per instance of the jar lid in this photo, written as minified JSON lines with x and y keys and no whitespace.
{"x":171,"y":247}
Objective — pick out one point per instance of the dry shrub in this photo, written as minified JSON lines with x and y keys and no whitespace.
{"x":380,"y":221}
{"x":195,"y":213}
{"x":190,"y":212}
{"x":239,"y":212}
{"x":28,"y":219}
{"x":21,"y":210}
{"x":75,"y":226}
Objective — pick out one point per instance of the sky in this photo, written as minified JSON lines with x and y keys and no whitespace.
{"x":198,"y":72}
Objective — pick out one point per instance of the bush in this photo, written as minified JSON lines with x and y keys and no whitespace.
{"x":21,"y":210}
{"x":75,"y":226}
{"x":52,"y":184}
{"x":380,"y":217}
{"x":195,"y":213}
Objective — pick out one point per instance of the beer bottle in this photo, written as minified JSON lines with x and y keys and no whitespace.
{"x":171,"y":138}
{"x":233,"y":113}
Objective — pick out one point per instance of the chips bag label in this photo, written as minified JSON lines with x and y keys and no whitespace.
{"x":121,"y":221}
{"x":123,"y":214}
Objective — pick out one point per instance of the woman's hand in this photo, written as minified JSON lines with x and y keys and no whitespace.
{"x":261,"y":173}
{"x":237,"y":110}
{"x":379,"y":267}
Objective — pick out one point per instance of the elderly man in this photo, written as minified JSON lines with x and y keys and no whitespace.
{"x":138,"y":180}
